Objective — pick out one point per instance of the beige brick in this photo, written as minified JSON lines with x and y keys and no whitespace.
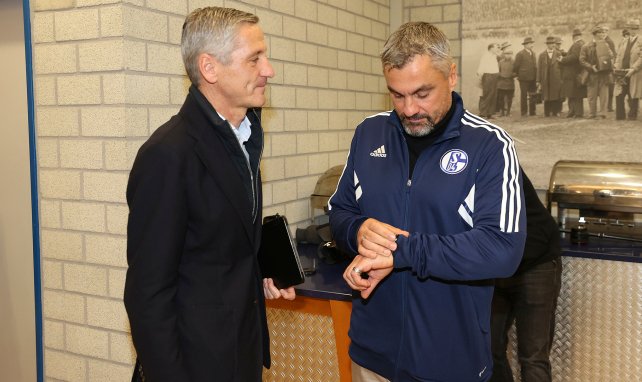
{"x":101,"y":55}
{"x":64,"y":366}
{"x":50,"y":5}
{"x":282,"y":96}
{"x":194,"y":4}
{"x":328,"y":57}
{"x":307,"y":143}
{"x":283,"y":144}
{"x":371,"y":10}
{"x":282,"y":49}
{"x":338,"y":120}
{"x":146,"y":90}
{"x":347,"y":100}
{"x":272,"y":169}
{"x":159,"y":116}
{"x":296,"y":166}
{"x":338,"y":3}
{"x":318,"y":77}
{"x":145,"y":25}
{"x":88,"y":3}
{"x":428,"y":14}
{"x":42,"y":28}
{"x":283,"y":6}
{"x":284,"y":191}
{"x":272,"y":120}
{"x":298,"y":211}
{"x":317,"y":34}
{"x":327,"y":15}
{"x":175,"y":26}
{"x":328,"y":141}
{"x":47,"y":152}
{"x":119,"y":155}
{"x":61,"y":245}
{"x":363,"y":101}
{"x":49,"y":213}
{"x":346,"y":60}
{"x":346,"y":20}
{"x":77,"y":24}
{"x":451,"y":30}
{"x":267,"y":195}
{"x":275,"y":209}
{"x":106,"y":250}
{"x":372,"y":47}
{"x":81,"y":154}
{"x":384,"y":13}
{"x":338,"y":158}
{"x":452,"y":12}
{"x":355,"y":6}
{"x":170,"y":6}
{"x":380,"y":30}
{"x":355,"y":43}
{"x":306,"y":9}
{"x":356,"y":117}
{"x":380,"y":102}
{"x":54,"y":334}
{"x":278,"y":73}
{"x":355,"y":81}
{"x":317,"y":120}
{"x":114,"y":88}
{"x":338,"y":79}
{"x":178,"y":89}
{"x":83,"y":216}
{"x":122,"y":349}
{"x":296,"y":120}
{"x":241,"y":6}
{"x":45,"y":90}
{"x":328,"y":99}
{"x":307,"y":98}
{"x":295,"y":74}
{"x":108,"y":314}
{"x":363,"y":64}
{"x":337,"y":39}
{"x":117,"y":219}
{"x":52,"y":274}
{"x":57,"y":122}
{"x":85,"y":279}
{"x":305,"y":186}
{"x":371,"y":84}
{"x":99,"y":371}
{"x":79,"y":90}
{"x":106,"y":121}
{"x":306,"y":53}
{"x":116,"y":281}
{"x":59,"y":184}
{"x":165,"y":59}
{"x":363,"y":25}
{"x":317,"y":163}
{"x":63,"y":306}
{"x":270,"y":22}
{"x":105,"y":186}
{"x":112,"y":21}
{"x":87,"y":341}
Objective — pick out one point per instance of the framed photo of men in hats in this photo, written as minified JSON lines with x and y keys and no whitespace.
{"x":576,"y":78}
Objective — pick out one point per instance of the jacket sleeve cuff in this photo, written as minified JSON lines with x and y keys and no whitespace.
{"x":401,"y":258}
{"x":352,"y":234}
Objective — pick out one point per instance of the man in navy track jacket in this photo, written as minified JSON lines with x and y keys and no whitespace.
{"x":431,"y":204}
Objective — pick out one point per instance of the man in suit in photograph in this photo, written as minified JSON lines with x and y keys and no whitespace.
{"x":572,"y":87}
{"x":193,"y":293}
{"x":549,"y":79}
{"x":525,"y":67}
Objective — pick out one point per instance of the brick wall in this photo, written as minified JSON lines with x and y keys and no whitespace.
{"x":107,"y":73}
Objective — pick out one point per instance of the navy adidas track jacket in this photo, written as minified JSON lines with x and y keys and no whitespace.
{"x":429,"y":320}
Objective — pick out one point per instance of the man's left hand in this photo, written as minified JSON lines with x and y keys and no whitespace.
{"x":377,"y":269}
{"x":271,"y":292}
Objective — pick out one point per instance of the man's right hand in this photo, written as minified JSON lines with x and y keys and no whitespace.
{"x":376,"y":238}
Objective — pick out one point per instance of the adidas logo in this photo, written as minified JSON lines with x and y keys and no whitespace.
{"x":380,"y":152}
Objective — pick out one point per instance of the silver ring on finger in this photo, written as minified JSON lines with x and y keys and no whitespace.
{"x":356,"y":270}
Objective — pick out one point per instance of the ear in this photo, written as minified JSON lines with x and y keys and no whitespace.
{"x":207,"y":66}
{"x":452,"y":77}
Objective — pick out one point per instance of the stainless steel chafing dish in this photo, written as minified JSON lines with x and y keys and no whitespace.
{"x":608,"y":195}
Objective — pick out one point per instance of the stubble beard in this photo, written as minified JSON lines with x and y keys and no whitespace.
{"x":418,"y":129}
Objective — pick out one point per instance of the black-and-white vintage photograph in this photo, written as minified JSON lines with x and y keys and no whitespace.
{"x":558,"y":75}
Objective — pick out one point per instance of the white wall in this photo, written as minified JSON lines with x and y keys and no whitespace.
{"x":17,"y":314}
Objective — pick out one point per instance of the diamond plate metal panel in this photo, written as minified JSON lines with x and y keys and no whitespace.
{"x":303,"y":347}
{"x":598,"y":329}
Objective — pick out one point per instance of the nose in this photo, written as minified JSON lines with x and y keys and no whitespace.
{"x":410,"y":106}
{"x":267,"y":70}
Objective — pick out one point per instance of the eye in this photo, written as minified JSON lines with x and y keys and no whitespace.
{"x":396,"y":95}
{"x":422,"y":95}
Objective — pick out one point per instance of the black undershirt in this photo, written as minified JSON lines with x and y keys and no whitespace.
{"x":416,"y":145}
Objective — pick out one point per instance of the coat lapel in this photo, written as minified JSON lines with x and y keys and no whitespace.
{"x":212,"y":152}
